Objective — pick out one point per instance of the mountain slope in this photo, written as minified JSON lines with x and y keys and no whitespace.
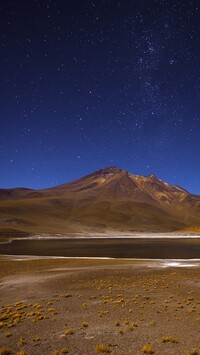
{"x":108,"y":199}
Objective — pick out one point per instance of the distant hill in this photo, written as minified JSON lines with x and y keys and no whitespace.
{"x":108,"y":199}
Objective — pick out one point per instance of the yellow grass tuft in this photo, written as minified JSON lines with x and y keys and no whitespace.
{"x":103,"y":313}
{"x":193,"y":352}
{"x":5,"y":351}
{"x":84,"y":325}
{"x":8,"y":334}
{"x":60,"y":352}
{"x":130,"y":328}
{"x":37,"y":338}
{"x":21,"y":341}
{"x":69,"y":331}
{"x":22,"y":352}
{"x":18,"y":303}
{"x":169,"y":339}
{"x":135,"y":325}
{"x":37,"y":306}
{"x":102,"y":348}
{"x":64,"y":351}
{"x":148,"y":349}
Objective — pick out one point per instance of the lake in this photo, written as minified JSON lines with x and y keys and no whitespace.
{"x":145,"y":248}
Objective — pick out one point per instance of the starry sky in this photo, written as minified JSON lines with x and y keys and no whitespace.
{"x":87,"y":84}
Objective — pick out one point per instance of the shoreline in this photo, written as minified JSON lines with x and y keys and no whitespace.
{"x":103,"y":236}
{"x":154,"y":263}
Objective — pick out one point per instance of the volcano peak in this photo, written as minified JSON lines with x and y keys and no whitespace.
{"x":109,"y":170}
{"x":152,"y":176}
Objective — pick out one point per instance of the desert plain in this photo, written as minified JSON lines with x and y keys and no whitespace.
{"x":87,"y":306}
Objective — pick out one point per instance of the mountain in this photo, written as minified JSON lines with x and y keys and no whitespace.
{"x":108,"y":199}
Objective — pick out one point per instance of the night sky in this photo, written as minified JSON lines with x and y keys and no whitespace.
{"x":88,"y":84}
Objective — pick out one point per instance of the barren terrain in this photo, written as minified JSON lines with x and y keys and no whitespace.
{"x":57,"y":306}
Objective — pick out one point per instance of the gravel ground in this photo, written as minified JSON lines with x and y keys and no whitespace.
{"x":57,"y":306}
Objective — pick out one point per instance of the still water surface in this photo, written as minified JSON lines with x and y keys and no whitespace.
{"x":158,"y":248}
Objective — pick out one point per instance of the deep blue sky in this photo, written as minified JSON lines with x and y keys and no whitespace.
{"x":89,"y":84}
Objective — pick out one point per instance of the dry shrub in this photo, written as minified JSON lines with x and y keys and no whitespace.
{"x":4,"y":351}
{"x":102,"y":348}
{"x":170,"y":339}
{"x":148,"y":349}
{"x":69,"y":331}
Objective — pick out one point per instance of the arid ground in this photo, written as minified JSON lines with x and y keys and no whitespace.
{"x":57,"y":306}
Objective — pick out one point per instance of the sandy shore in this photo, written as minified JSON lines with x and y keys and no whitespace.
{"x":55,"y":306}
{"x":95,"y":235}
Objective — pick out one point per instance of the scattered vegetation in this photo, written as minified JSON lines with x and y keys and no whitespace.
{"x":11,"y":315}
{"x":123,"y":319}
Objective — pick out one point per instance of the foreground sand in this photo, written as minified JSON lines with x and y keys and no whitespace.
{"x":55,"y":306}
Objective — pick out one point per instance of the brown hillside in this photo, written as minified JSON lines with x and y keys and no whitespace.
{"x":108,"y":199}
